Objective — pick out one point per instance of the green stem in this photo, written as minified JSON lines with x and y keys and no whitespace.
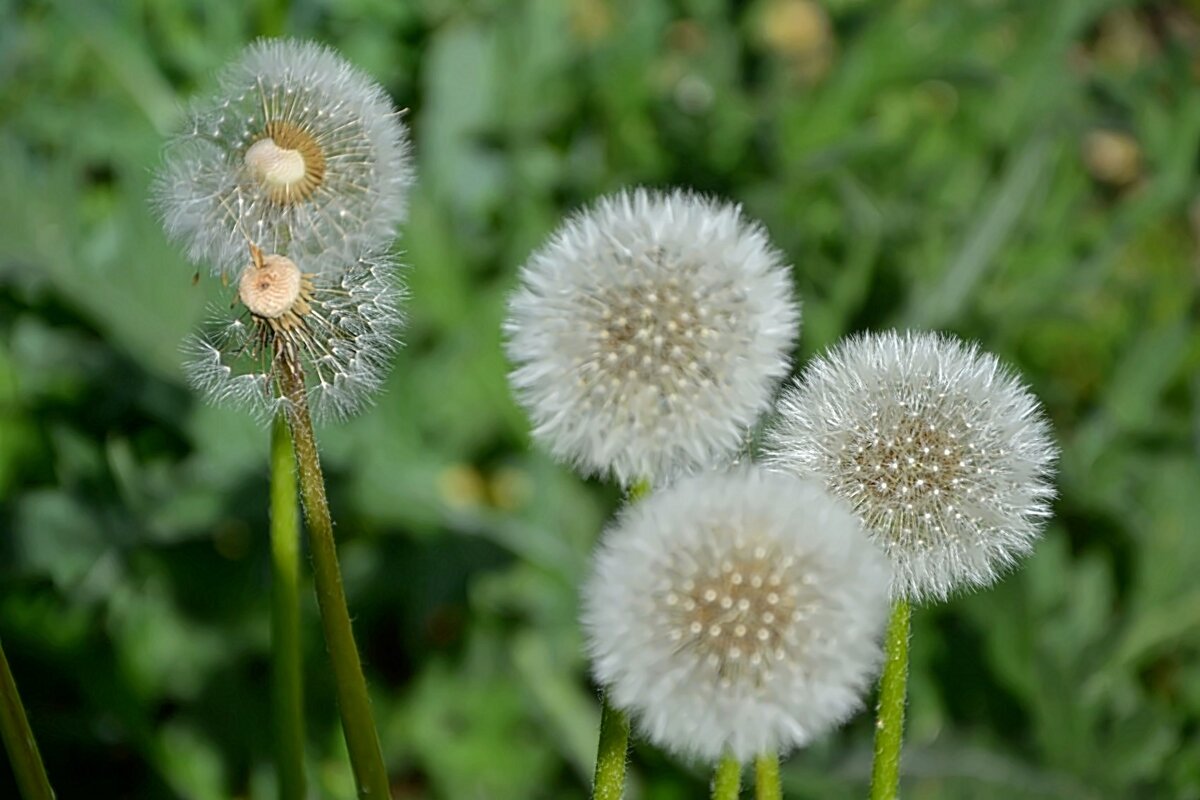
{"x":358,"y":724}
{"x":889,"y":721}
{"x":609,"y":782}
{"x":18,"y":739}
{"x":288,"y":683}
{"x":727,"y":780}
{"x":766,"y":778}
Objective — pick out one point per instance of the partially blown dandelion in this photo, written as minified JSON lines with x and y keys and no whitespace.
{"x":338,"y":332}
{"x":297,"y":148}
{"x":940,"y":449}
{"x":736,"y":613}
{"x":649,"y":333}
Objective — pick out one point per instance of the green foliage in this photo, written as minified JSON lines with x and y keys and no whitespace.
{"x":926,"y":164}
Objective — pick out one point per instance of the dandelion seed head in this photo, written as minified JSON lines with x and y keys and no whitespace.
{"x":340,"y":330}
{"x":649,"y":333}
{"x":736,"y":612}
{"x":940,"y":449}
{"x":296,"y":150}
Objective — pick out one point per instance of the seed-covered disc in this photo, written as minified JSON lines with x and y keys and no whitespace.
{"x":649,"y":333}
{"x":736,"y":613}
{"x":297,"y":150}
{"x":940,"y":449}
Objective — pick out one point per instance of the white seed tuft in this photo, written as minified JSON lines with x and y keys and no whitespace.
{"x":736,"y":613}
{"x":649,"y":333}
{"x":941,"y":450}
{"x":341,"y":330}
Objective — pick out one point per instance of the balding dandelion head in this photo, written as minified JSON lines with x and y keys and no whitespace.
{"x":736,"y":613}
{"x":337,"y":332}
{"x":649,"y":333}
{"x":297,"y":148}
{"x":940,"y":449}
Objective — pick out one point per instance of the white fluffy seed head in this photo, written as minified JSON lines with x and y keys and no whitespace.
{"x":342,"y":330}
{"x":941,"y":450}
{"x":736,"y":613}
{"x":649,"y":333}
{"x":297,"y":150}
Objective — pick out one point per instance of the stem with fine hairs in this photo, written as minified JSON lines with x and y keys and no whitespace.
{"x":889,"y":721}
{"x":727,"y":780}
{"x":609,"y":780}
{"x":766,"y":778}
{"x":358,"y":724}
{"x":287,"y":688}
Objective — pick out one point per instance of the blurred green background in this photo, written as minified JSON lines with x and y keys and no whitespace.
{"x":1021,"y":173}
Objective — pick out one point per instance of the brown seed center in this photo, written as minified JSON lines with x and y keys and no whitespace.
{"x":287,"y":161}
{"x":740,"y":613}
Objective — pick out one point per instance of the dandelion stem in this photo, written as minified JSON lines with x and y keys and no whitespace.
{"x":288,"y":677}
{"x":727,"y":780}
{"x":362,"y":741}
{"x":889,"y":720}
{"x":766,"y":778}
{"x":609,"y":781}
{"x":18,"y":739}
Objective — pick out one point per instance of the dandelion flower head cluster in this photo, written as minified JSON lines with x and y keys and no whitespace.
{"x":649,"y":333}
{"x":290,"y":179}
{"x":297,"y":150}
{"x":736,"y":613}
{"x":940,"y":449}
{"x":336,"y":333}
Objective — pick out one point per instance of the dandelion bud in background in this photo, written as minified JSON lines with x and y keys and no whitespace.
{"x":298,"y":151}
{"x":336,"y":331}
{"x":649,"y":333}
{"x":736,"y":613}
{"x":940,"y":449}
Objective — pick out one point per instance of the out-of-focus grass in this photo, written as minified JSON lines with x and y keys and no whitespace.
{"x":1020,"y":173}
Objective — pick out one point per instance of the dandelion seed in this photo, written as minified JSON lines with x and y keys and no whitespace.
{"x":736,"y":613}
{"x":298,"y":149}
{"x":648,"y":334}
{"x":941,"y":450}
{"x":339,"y":332}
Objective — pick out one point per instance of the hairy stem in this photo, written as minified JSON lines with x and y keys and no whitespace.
{"x":727,"y":780}
{"x":287,"y":673}
{"x":18,"y":739}
{"x":889,"y":720}
{"x":766,"y":778}
{"x":609,"y":781}
{"x":358,"y":724}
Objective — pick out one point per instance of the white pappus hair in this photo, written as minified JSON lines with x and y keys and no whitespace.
{"x":940,"y":449}
{"x":343,"y":342}
{"x":736,"y":613}
{"x":649,"y":333}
